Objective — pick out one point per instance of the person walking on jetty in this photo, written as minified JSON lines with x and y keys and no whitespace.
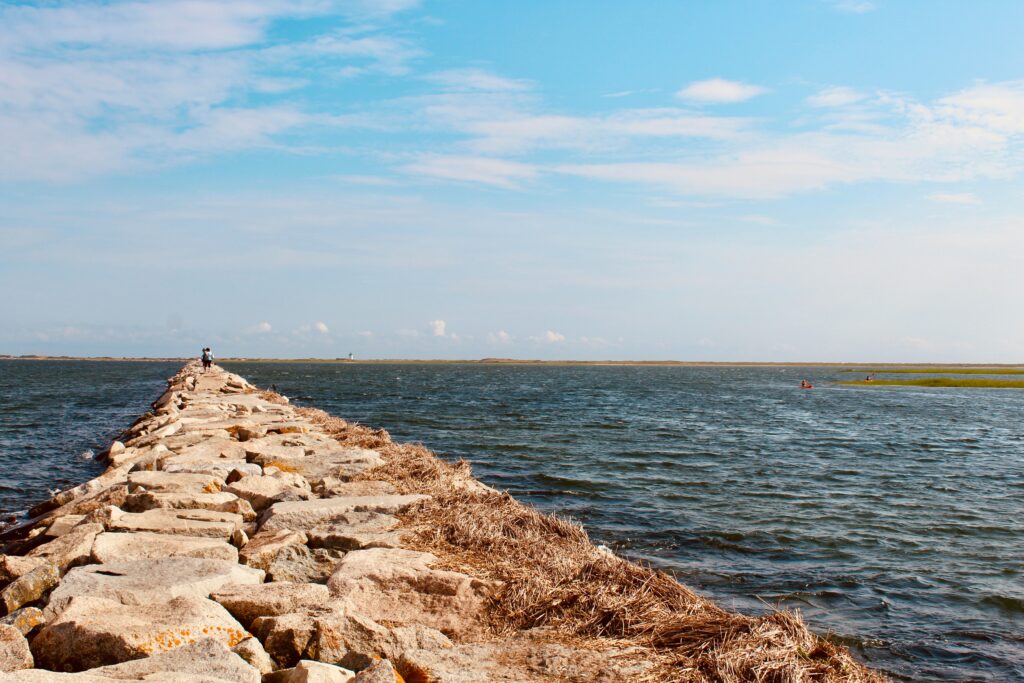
{"x":207,"y":358}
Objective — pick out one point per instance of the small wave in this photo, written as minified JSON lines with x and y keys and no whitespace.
{"x":1005,"y":603}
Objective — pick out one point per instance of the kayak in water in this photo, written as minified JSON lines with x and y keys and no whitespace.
{"x":804,"y":384}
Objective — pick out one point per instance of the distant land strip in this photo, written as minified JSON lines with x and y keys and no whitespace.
{"x":859,"y":367}
{"x":941,"y":382}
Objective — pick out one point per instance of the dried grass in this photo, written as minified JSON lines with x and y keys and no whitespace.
{"x":551,"y":575}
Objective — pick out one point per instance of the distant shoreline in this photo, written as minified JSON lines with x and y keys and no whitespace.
{"x":851,"y":366}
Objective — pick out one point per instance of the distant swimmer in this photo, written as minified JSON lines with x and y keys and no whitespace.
{"x":804,"y":384}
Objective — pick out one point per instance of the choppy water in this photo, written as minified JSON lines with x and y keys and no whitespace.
{"x":893,"y":518}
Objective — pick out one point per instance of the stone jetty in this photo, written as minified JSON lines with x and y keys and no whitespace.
{"x":235,"y":537}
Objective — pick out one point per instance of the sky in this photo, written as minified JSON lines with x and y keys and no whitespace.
{"x":813,"y":180}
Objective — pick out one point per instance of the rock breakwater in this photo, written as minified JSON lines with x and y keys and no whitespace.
{"x":234,"y":537}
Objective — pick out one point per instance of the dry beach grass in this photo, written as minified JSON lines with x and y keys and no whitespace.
{"x":551,"y":575}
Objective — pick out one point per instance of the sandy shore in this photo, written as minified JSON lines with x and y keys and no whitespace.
{"x":234,"y":537}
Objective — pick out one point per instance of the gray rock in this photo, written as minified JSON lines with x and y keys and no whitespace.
{"x":14,"y":651}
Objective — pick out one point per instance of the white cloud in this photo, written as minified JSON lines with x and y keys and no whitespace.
{"x":260,"y":328}
{"x":320,"y":327}
{"x":95,"y":88}
{"x":499,"y":337}
{"x":437,"y":327}
{"x":549,"y":337}
{"x":366,"y":334}
{"x":486,"y":170}
{"x":477,"y":79}
{"x":835,"y":96}
{"x":954,"y":198}
{"x":719,"y":90}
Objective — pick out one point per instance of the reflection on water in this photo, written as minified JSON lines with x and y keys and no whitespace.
{"x":891,"y":517}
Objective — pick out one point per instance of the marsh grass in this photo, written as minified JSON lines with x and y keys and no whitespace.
{"x":943,"y":382}
{"x":547,"y":573}
{"x":940,"y":370}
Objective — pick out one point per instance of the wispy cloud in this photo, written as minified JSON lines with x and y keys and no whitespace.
{"x":472,"y":79}
{"x":438,"y":328}
{"x":719,"y":91}
{"x":260,"y":328}
{"x":94,"y":88}
{"x":954,"y":198}
{"x":835,"y":96}
{"x":485,"y":170}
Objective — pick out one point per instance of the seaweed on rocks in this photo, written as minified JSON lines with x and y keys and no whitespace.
{"x":553,"y":577}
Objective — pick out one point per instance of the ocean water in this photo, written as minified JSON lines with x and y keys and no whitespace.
{"x":892,"y":518}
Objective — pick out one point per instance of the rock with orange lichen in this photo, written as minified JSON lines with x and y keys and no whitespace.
{"x":94,"y":632}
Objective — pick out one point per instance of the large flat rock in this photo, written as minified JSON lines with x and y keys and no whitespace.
{"x":339,"y":464}
{"x":222,"y":501}
{"x":174,"y":482}
{"x":141,"y":582}
{"x":122,"y":547}
{"x":399,"y":587}
{"x":94,"y":631}
{"x":247,"y":603}
{"x":181,"y":522}
{"x":314,"y":513}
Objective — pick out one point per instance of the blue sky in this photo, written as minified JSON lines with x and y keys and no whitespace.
{"x":810,"y":180}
